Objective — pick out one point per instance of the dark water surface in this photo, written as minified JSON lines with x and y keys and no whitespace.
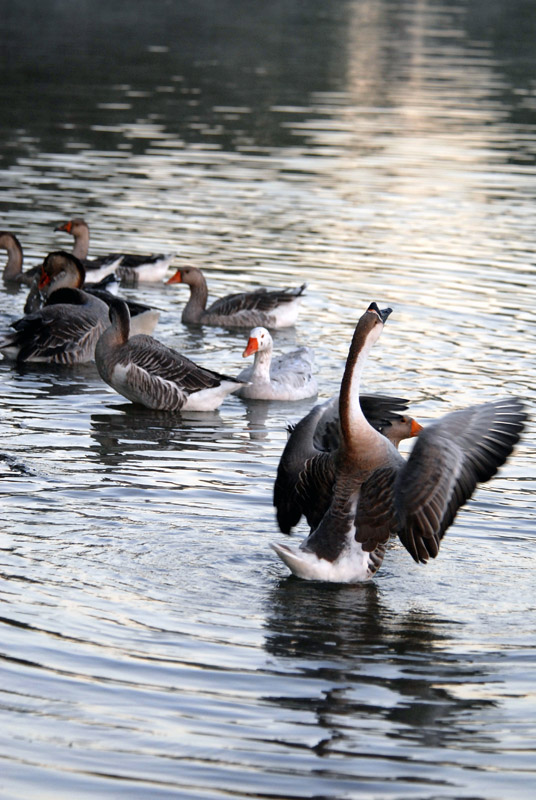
{"x":151,"y":644}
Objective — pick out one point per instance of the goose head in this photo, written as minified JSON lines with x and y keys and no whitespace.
{"x":353,"y":422}
{"x":367,"y":332}
{"x":259,"y":340}
{"x":371,"y":324}
{"x":402,"y":428}
{"x":73,"y":226}
{"x":61,"y":270}
{"x":190,"y":275}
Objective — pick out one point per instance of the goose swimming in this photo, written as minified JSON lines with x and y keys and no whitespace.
{"x":147,"y":372}
{"x":64,"y":331}
{"x":274,"y":309}
{"x":63,"y":270}
{"x":287,"y":377}
{"x":13,"y":269}
{"x":131,"y":268}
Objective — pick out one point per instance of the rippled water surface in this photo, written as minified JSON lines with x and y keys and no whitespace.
{"x":151,"y":644}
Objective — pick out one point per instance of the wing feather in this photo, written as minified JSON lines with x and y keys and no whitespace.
{"x":161,"y":362}
{"x":54,"y":335}
{"x":259,"y":300}
{"x":449,"y":459}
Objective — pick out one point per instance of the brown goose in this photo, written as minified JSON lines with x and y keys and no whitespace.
{"x":148,"y":373}
{"x":130,"y":268}
{"x":64,"y":331}
{"x":13,"y":269}
{"x":275,"y":309}
{"x":62,"y":270}
{"x":362,"y":493}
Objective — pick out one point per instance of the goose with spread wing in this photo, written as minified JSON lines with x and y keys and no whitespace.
{"x":149,"y":373}
{"x":360,"y":494}
{"x":130,"y":268}
{"x":271,"y":309}
{"x":287,"y":377}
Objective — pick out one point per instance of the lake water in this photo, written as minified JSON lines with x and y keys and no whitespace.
{"x":151,"y":644}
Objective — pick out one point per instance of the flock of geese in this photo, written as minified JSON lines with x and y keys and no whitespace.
{"x":340,"y":468}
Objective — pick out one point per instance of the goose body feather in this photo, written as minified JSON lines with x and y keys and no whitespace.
{"x":65,"y":331}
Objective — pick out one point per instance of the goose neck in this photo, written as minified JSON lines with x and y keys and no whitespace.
{"x":354,"y":426}
{"x":261,"y":365}
{"x":197,"y":302}
{"x":13,"y":266}
{"x":81,"y":242}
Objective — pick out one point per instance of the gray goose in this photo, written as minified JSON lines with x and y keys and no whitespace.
{"x":287,"y":377}
{"x":274,"y":309}
{"x":64,"y":331}
{"x":62,"y":270}
{"x":13,"y":269}
{"x":147,"y":372}
{"x":130,"y":268}
{"x":358,"y":495}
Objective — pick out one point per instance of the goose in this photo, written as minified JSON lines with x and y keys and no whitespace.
{"x":147,"y":372}
{"x":319,"y":432}
{"x":64,"y":331}
{"x":365,"y":491}
{"x":289,"y":377}
{"x":275,"y":309}
{"x":63,"y":270}
{"x":13,"y":269}
{"x":130,"y":268}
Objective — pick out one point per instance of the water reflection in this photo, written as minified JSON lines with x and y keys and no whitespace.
{"x":138,"y":429}
{"x":384,"y":664}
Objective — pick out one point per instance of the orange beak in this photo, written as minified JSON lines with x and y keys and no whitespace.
{"x":44,"y":280}
{"x":415,"y":427}
{"x":177,"y":278}
{"x":251,"y":347}
{"x":65,"y":227}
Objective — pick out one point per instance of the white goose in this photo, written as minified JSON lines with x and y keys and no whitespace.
{"x":364,"y":492}
{"x":129,"y":267}
{"x":288,"y":377}
{"x":148,"y":373}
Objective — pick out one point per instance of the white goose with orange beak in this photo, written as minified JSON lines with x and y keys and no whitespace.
{"x":287,"y":377}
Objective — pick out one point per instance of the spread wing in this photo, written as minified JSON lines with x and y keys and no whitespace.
{"x":300,"y":448}
{"x":449,"y":458}
{"x":314,"y":487}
